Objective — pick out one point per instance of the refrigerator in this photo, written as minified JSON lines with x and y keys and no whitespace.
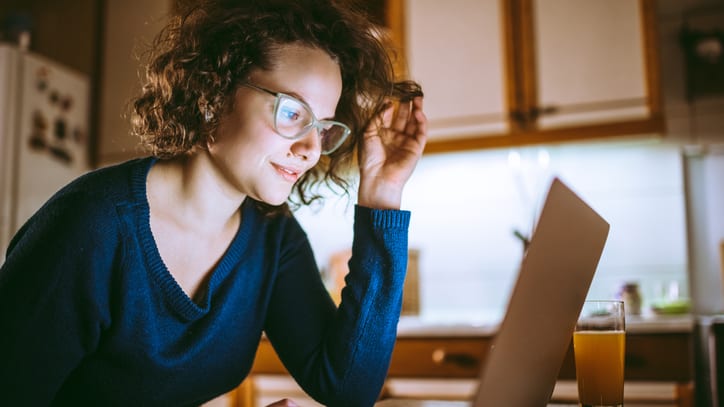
{"x":44,"y":124}
{"x":703,"y":170}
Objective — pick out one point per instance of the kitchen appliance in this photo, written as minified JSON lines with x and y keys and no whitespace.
{"x":44,"y":120}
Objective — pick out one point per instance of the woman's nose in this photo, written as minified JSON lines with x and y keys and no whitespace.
{"x":308,"y":146}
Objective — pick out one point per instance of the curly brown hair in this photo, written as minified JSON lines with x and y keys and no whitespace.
{"x":206,"y":53}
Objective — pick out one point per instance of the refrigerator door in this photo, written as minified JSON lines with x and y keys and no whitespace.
{"x":53,"y":132}
{"x":49,"y":138}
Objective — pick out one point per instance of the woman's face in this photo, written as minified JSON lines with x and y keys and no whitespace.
{"x":247,"y":151}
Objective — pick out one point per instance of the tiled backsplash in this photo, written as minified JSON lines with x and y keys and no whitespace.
{"x":466,"y":205}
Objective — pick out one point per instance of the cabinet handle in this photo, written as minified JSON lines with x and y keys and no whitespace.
{"x":440,"y":356}
{"x":527,"y":118}
{"x":519,"y":117}
{"x":537,"y":112}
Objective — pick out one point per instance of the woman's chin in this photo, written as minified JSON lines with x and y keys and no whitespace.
{"x":273,"y":200}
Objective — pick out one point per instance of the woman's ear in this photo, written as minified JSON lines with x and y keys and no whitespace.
{"x":205,"y":108}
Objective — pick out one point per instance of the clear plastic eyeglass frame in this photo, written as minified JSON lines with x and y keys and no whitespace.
{"x":331,"y":133}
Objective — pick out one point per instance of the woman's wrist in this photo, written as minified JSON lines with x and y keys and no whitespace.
{"x":379,"y":195}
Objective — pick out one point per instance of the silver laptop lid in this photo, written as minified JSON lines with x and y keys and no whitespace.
{"x":555,"y":274}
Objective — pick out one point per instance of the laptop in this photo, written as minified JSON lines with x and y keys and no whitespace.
{"x":555,"y":274}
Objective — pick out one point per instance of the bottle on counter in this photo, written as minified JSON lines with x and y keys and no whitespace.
{"x":629,"y":294}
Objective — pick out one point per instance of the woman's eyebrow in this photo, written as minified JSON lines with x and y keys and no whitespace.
{"x":299,"y":97}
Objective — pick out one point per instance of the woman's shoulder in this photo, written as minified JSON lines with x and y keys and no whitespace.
{"x":79,"y":227}
{"x":113,"y":178}
{"x":94,"y":197}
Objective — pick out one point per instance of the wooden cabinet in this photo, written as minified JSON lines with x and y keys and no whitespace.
{"x":513,"y":72}
{"x":650,"y":357}
{"x":455,"y":50}
{"x":590,"y":61}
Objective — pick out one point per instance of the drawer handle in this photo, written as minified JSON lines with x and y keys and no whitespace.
{"x":440,"y":356}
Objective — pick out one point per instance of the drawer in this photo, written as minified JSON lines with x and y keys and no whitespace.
{"x":650,"y":357}
{"x":438,"y":357}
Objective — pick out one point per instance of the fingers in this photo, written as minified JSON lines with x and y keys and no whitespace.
{"x":402,"y":116}
{"x":418,"y":121}
{"x":387,"y":116}
{"x":408,"y":119}
{"x":379,"y":122}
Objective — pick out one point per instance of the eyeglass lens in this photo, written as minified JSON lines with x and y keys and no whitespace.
{"x":293,"y":119}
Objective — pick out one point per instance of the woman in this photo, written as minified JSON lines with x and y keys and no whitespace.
{"x":151,"y":282}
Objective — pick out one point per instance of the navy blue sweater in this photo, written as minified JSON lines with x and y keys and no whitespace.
{"x":89,"y":314}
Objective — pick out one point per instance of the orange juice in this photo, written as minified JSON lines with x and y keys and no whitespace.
{"x":599,"y":359}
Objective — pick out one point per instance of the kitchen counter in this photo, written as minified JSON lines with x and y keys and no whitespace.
{"x":411,"y":327}
{"x":659,"y":351}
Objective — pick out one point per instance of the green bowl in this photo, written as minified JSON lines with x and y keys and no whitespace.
{"x":671,"y":307}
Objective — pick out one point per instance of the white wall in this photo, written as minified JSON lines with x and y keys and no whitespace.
{"x":465,"y":206}
{"x":130,"y":25}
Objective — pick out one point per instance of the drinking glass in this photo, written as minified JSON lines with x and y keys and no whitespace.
{"x":598,"y":348}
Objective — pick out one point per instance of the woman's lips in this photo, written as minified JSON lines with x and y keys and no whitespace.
{"x":289,"y":174}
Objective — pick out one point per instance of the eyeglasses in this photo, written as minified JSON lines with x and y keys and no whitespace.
{"x":294,"y":118}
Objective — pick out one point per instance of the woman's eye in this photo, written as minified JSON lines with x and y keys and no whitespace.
{"x":289,"y":114}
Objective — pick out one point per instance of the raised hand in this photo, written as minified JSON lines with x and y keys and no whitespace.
{"x":392,"y":146}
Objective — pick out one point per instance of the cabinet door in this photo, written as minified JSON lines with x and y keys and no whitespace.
{"x":454,"y":49}
{"x":590,"y":62}
{"x":129,"y":26}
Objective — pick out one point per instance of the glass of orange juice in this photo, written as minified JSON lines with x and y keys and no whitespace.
{"x":598,"y":347}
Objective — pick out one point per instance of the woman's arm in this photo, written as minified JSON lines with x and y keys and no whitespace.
{"x":341,"y":356}
{"x":50,"y":312}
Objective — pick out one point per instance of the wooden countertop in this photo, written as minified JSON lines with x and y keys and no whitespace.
{"x":419,"y":327}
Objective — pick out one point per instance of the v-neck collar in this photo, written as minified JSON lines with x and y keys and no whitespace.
{"x":171,"y":291}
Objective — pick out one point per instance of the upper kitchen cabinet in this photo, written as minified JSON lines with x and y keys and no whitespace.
{"x":514,"y":72}
{"x":591,"y":61}
{"x":455,"y":50}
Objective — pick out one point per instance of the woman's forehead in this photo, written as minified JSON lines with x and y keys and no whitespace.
{"x":304,"y":72}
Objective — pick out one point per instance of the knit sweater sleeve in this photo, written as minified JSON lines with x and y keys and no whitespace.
{"x":53,"y":297}
{"x":341,"y":356}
